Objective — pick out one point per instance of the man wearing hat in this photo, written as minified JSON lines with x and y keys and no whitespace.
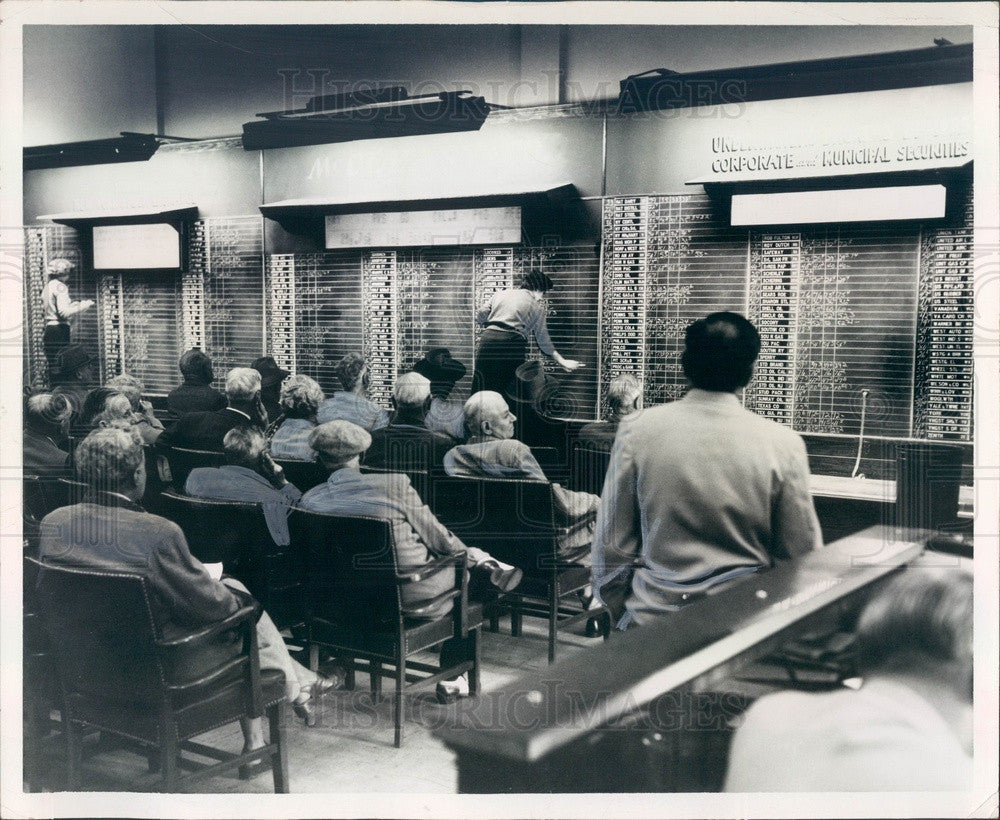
{"x":444,"y":372}
{"x":493,"y":452}
{"x":58,"y":308}
{"x":76,"y":376}
{"x":418,"y":536}
{"x":271,"y":377}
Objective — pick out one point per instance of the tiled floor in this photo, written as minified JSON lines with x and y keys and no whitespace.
{"x":352,"y":741}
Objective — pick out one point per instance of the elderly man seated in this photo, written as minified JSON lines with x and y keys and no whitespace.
{"x":205,"y":430}
{"x":406,"y":445}
{"x":491,"y":451}
{"x":908,"y":727}
{"x":110,"y":532}
{"x":419,"y":537}
{"x":249,"y":474}
{"x":46,"y":421}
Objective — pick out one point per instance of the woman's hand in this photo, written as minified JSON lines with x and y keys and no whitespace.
{"x":568,"y":365}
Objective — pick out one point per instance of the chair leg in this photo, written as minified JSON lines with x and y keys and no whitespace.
{"x":313,"y":656}
{"x":72,"y":753}
{"x":398,"y":711}
{"x":279,"y":757}
{"x":494,"y":620}
{"x":553,"y":618}
{"x":515,"y":617}
{"x":606,"y":624}
{"x":168,"y":763}
{"x":375,"y":673}
{"x":350,"y":679}
{"x":474,"y":672}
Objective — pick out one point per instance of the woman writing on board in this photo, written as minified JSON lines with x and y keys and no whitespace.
{"x":512,"y":317}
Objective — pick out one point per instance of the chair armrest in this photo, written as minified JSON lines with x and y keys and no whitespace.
{"x":419,"y":609}
{"x":426,"y":570}
{"x":246,"y":613}
{"x":581,"y":523}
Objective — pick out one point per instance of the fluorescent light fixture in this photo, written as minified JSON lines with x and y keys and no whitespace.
{"x":136,"y":247}
{"x":841,"y":205}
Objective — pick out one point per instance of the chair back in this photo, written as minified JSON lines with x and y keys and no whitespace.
{"x":350,"y":570}
{"x":102,"y":633}
{"x":183,"y":460}
{"x":303,"y":474}
{"x":512,"y":519}
{"x":589,"y":466}
{"x":43,"y":494}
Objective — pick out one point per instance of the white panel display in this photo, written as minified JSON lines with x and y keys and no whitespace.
{"x":136,"y":247}
{"x":462,"y":226}
{"x":844,"y":205}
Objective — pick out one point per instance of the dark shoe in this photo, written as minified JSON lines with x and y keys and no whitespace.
{"x":448,"y":691}
{"x":505,"y":579}
{"x":305,"y":711}
{"x":332,"y":683}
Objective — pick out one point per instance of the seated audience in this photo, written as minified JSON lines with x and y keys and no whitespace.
{"x":46,"y":422}
{"x":406,"y":445}
{"x":491,"y":451}
{"x":624,"y":399}
{"x":299,"y":401}
{"x":117,"y":408}
{"x":271,"y":377}
{"x":248,"y":475}
{"x":93,"y":405}
{"x":701,"y":490}
{"x":110,"y":532}
{"x":909,"y":726}
{"x":77,"y":376}
{"x":145,"y":422}
{"x":351,"y":404}
{"x":443,"y":416}
{"x":196,"y":394}
{"x":419,"y":537}
{"x":205,"y":430}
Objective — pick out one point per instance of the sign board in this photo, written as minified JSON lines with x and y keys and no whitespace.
{"x":465,"y":226}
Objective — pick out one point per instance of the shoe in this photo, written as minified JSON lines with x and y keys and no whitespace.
{"x":322,"y":685}
{"x":249,"y":771}
{"x":304,"y":709}
{"x":505,"y":577}
{"x":448,"y":691}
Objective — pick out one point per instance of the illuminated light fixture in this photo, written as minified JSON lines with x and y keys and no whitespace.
{"x":374,"y":114}
{"x":840,"y":205}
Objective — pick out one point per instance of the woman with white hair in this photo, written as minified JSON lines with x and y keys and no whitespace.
{"x":299,"y":400}
{"x":58,"y":308}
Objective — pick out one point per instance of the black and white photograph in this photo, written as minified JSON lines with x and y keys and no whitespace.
{"x":529,"y":409}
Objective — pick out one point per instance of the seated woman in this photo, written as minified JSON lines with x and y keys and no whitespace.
{"x":299,"y":400}
{"x":146,"y":424}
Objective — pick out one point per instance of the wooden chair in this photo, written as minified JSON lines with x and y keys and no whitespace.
{"x":118,"y":674}
{"x":516,"y":522}
{"x":303,"y":474}
{"x":180,"y":461}
{"x":356,"y":609}
{"x":235,"y":534}
{"x":588,"y":466}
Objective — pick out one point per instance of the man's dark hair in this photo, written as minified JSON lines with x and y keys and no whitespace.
{"x":719,"y":351}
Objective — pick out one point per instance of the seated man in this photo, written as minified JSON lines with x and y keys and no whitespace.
{"x":406,"y":445}
{"x":443,"y":416}
{"x":909,"y":726}
{"x":624,"y":399}
{"x":298,"y":403}
{"x":195,"y":394}
{"x":352,"y":404}
{"x":146,"y":424}
{"x":249,"y":474}
{"x":419,"y":537}
{"x":77,"y":376}
{"x":701,"y":490}
{"x":205,"y":430}
{"x":491,"y":451}
{"x":46,"y":421}
{"x":110,"y":532}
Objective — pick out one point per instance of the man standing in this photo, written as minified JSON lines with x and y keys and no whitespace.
{"x":206,"y":430}
{"x":701,"y":490}
{"x":58,"y":308}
